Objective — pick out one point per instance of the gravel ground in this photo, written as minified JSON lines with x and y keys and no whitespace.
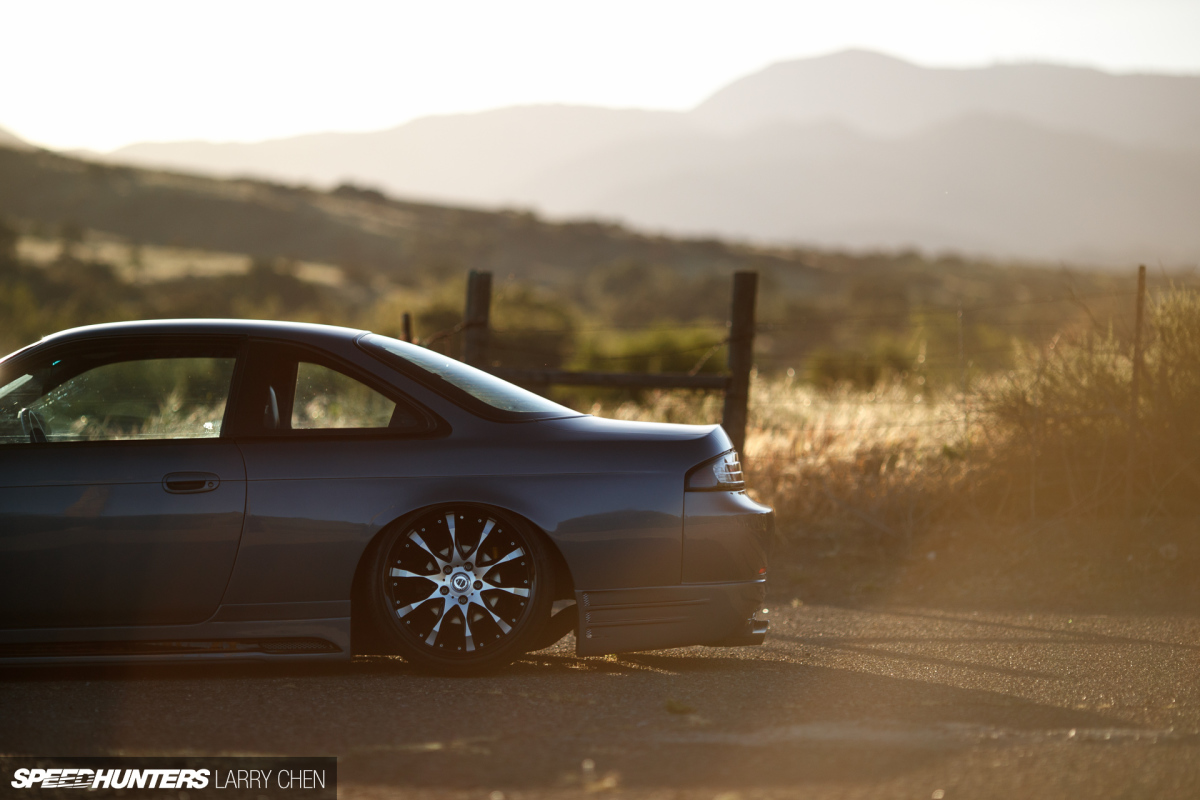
{"x":886,"y":702}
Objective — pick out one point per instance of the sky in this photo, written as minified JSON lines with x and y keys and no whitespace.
{"x":98,"y":75}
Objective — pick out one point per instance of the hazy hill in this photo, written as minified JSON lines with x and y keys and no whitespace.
{"x":473,"y":158}
{"x":8,"y":139}
{"x":852,"y":149}
{"x":975,"y":184}
{"x":360,"y":230}
{"x":885,"y":96}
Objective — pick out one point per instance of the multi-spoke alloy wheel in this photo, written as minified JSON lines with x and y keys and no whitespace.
{"x":462,"y":588}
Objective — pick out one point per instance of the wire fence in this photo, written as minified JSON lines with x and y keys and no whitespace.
{"x":823,"y":316}
{"x":958,"y":356}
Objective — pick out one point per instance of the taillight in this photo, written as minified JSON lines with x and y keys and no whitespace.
{"x":721,"y":474}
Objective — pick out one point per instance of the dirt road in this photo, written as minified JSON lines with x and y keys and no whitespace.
{"x":890,"y":702}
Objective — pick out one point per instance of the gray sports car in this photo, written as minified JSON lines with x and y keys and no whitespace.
{"x":178,"y":490}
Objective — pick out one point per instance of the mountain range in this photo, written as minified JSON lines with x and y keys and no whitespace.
{"x":855,"y":149}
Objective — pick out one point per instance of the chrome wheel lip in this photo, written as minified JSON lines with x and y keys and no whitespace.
{"x":461,"y":584}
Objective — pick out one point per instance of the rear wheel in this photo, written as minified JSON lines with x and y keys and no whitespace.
{"x":461,"y":588}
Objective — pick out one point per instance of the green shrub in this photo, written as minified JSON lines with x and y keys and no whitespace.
{"x":1074,"y":442}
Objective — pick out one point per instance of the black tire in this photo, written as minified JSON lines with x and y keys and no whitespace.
{"x":443,"y":611}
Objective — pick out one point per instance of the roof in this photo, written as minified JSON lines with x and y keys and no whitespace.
{"x":238,"y":327}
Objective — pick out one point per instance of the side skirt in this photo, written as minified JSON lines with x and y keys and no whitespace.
{"x":241,"y":640}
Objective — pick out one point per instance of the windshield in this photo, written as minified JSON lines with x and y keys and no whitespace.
{"x":480,"y":386}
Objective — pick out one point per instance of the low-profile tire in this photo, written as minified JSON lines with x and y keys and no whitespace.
{"x":460,"y":589}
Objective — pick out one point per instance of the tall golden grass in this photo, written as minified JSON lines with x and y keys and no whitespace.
{"x":891,"y":459}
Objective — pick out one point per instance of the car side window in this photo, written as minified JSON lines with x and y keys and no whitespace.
{"x":302,"y":392}
{"x":16,"y":395}
{"x":152,"y":398}
{"x":326,"y":398}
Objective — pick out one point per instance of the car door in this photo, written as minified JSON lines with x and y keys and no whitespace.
{"x":120,"y":502}
{"x":321,"y":439}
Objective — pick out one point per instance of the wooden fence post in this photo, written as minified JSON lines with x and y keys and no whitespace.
{"x":406,"y":326}
{"x":475,"y":320}
{"x":741,"y":357}
{"x":1134,"y":389}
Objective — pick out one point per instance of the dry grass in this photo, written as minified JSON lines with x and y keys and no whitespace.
{"x":890,"y":459}
{"x":881,"y":498}
{"x":153,"y":263}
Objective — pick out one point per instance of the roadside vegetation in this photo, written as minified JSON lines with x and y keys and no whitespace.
{"x":1055,"y":435}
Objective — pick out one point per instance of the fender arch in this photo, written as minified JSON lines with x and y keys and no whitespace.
{"x":363,"y":637}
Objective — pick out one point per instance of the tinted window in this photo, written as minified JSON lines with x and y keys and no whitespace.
{"x":153,"y":398}
{"x":15,"y":395}
{"x":298,"y":391}
{"x":475,"y":383}
{"x":326,"y":398}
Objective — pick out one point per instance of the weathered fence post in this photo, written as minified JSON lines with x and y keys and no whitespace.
{"x":475,"y":320}
{"x":1134,"y":390}
{"x":741,"y":357}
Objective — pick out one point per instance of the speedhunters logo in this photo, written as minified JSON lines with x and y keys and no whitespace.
{"x":58,"y":778}
{"x":193,"y":778}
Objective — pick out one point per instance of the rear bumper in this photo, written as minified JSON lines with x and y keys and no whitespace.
{"x":753,"y":633}
{"x":654,"y":618}
{"x":726,"y":537}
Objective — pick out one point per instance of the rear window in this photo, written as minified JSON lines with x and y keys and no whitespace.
{"x":472,"y":385}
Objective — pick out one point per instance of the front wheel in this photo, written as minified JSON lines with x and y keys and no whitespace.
{"x":461,"y":589}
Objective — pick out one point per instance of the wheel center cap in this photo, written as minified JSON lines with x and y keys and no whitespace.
{"x":460,"y":582}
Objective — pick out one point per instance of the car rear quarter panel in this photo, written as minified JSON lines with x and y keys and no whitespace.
{"x":613,"y":505}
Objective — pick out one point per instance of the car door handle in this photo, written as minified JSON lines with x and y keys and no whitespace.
{"x":190,"y":482}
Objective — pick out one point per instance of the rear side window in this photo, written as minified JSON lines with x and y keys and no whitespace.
{"x":326,"y":398}
{"x":291,"y":390}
